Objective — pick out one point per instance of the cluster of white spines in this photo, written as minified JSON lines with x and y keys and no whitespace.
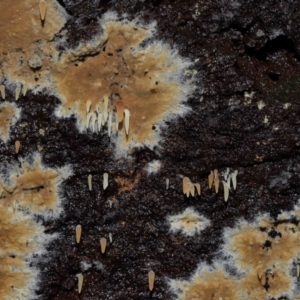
{"x":98,"y":118}
{"x":17,"y":91}
{"x":213,"y":179}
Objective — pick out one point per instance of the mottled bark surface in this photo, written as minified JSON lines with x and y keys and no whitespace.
{"x":239,"y":47}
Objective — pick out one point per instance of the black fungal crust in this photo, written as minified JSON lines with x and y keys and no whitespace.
{"x":242,"y":46}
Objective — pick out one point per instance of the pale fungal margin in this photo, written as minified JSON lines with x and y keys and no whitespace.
{"x":189,"y":222}
{"x":153,"y":166}
{"x":26,"y":190}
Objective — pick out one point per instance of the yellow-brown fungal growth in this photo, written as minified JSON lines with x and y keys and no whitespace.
{"x":262,"y":253}
{"x":23,"y":37}
{"x":9,"y":115}
{"x":208,"y":283}
{"x":22,"y":196}
{"x":189,"y":222}
{"x":148,"y":80}
{"x":35,"y":188}
{"x":252,"y":249}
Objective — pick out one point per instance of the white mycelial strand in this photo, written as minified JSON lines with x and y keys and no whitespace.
{"x":105,"y":181}
{"x":226,"y":190}
{"x":90,"y":182}
{"x":167,"y":183}
{"x":110,"y":237}
{"x":80,"y":282}
{"x":127,"y":117}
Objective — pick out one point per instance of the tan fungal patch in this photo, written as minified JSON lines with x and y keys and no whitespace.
{"x":248,"y":243}
{"x":9,"y":114}
{"x":23,"y":39}
{"x":36,"y":188}
{"x":132,"y":88}
{"x":140,"y":86}
{"x":277,"y":279}
{"x":189,"y":222}
{"x":207,"y":284}
{"x":21,"y":236}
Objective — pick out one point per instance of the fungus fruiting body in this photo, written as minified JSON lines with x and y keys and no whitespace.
{"x":78,"y":231}
{"x":188,"y":222}
{"x":137,"y":84}
{"x":29,"y":190}
{"x":80,"y":282}
{"x":151,"y":278}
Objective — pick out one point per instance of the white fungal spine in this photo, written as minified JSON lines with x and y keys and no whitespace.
{"x":43,"y":8}
{"x":105,"y":181}
{"x":90,"y":182}
{"x":226,"y":190}
{"x":78,"y":233}
{"x":127,"y":117}
{"x":167,"y":183}
{"x":233,"y":177}
{"x":17,"y":94}
{"x":151,"y":278}
{"x":2,"y":91}
{"x":103,"y":243}
{"x":80,"y":282}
